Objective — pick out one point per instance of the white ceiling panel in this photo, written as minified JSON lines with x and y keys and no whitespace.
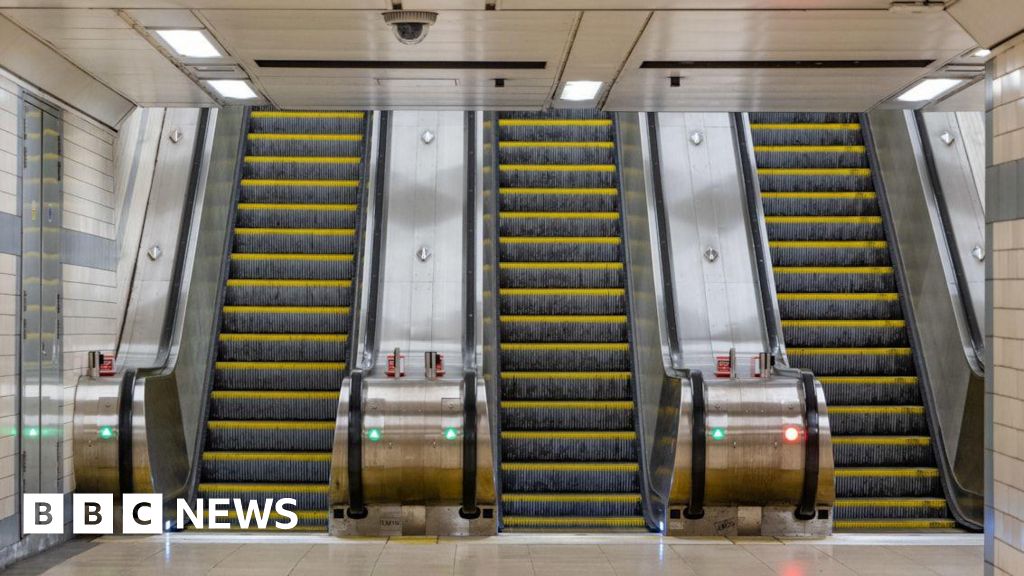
{"x":103,"y":44}
{"x":693,"y":4}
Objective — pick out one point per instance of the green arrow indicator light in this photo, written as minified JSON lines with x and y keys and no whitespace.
{"x":106,"y":432}
{"x":373,"y":434}
{"x":718,"y":433}
{"x":451,"y":433}
{"x":33,"y":432}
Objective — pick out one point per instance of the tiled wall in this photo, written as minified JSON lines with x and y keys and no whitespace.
{"x":91,"y":313}
{"x":1005,"y":379}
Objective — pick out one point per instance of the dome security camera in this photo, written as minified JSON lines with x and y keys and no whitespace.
{"x":410,"y":26}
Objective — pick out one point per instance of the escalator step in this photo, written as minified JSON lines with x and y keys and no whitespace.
{"x":307,"y":496}
{"x":573,"y":522}
{"x":566,"y":415}
{"x":556,"y":175}
{"x":558,"y":446}
{"x":562,"y":301}
{"x":815,"y":179}
{"x":587,"y":477}
{"x":853,"y":361}
{"x":266,"y":215}
{"x":565,"y":356}
{"x":518,"y":328}
{"x":288,"y":292}
{"x":560,"y":249}
{"x":301,"y":167}
{"x":282,"y":347}
{"x":823,"y":228}
{"x":858,"y":253}
{"x":890,"y":508}
{"x":817,"y":134}
{"x":559,"y":224}
{"x":854,"y":333}
{"x":276,"y":191}
{"x":883,"y":451}
{"x":269,"y":435}
{"x":887,"y":482}
{"x":287,"y":319}
{"x":797,"y":156}
{"x":278,"y":375}
{"x":878,"y":420}
{"x":283,"y":144}
{"x":894,"y":525}
{"x":565,"y":385}
{"x":561,"y":275}
{"x":558,"y":152}
{"x":295,"y":240}
{"x":823,"y":279}
{"x":804,"y":117}
{"x":559,"y":199}
{"x":871,"y":390}
{"x":287,"y":122}
{"x":275,"y":405}
{"x":547,"y":506}
{"x":306,"y":467}
{"x":291,"y":266}
{"x":840,"y":306}
{"x":820,"y":203}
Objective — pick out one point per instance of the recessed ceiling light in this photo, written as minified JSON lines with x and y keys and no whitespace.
{"x":929,"y":89}
{"x":578,"y":90}
{"x":982,"y":53}
{"x":190,"y":43}
{"x":234,"y":89}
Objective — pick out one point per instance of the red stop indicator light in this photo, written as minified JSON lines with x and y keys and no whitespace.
{"x":792,"y":434}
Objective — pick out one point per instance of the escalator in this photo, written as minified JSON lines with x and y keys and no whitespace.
{"x":283,"y":336}
{"x":841,"y":310}
{"x":569,"y":448}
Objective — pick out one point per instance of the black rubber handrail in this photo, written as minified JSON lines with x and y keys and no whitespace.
{"x":469,"y":509}
{"x":356,"y":497}
{"x":812,"y":456}
{"x":699,"y":449}
{"x":664,"y":242}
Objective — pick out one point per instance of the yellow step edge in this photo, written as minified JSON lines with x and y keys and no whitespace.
{"x":881,"y":441}
{"x":296,"y":231}
{"x":848,"y":244}
{"x":808,"y":126}
{"x":876,"y":409}
{"x":556,"y":346}
{"x":531,"y":144}
{"x":280,"y":365}
{"x":557,"y":167}
{"x":606,"y":498}
{"x":571,"y":521}
{"x":566,"y":405}
{"x":287,"y":309}
{"x":317,"y":207}
{"x":264,"y":456}
{"x":570,"y":466}
{"x":812,"y":149}
{"x":553,"y":122}
{"x":566,"y":191}
{"x":228,"y":337}
{"x":313,"y":137}
{"x":848,"y":351}
{"x":891,"y":502}
{"x":561,"y":319}
{"x":566,"y":375}
{"x":303,"y":159}
{"x":303,"y":257}
{"x":879,"y":380}
{"x":315,"y":183}
{"x":563,"y":215}
{"x":560,"y":266}
{"x":246,"y":487}
{"x":881,"y":296}
{"x":291,"y":283}
{"x":613,"y":240}
{"x":901,"y":524}
{"x":820,"y":195}
{"x":814,"y":171}
{"x":301,"y":114}
{"x":568,"y":435}
{"x":823,"y":219}
{"x":273,"y":395}
{"x":844,"y":323}
{"x":887,"y":472}
{"x":878,"y":270}
{"x":270,"y":425}
{"x":562,"y":292}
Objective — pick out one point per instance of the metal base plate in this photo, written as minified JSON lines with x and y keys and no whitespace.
{"x":413,"y":521}
{"x":749,"y":521}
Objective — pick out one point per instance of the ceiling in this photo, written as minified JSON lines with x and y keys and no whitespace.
{"x":716,"y":48}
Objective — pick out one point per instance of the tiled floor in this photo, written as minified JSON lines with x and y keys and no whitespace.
{"x":511,"y":555}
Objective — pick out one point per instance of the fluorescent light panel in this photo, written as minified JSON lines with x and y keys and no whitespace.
{"x":233,"y":89}
{"x":579,"y":90}
{"x":190,"y":43}
{"x":982,"y":53}
{"x":929,"y":89}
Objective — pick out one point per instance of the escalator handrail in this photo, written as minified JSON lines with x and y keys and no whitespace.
{"x":952,"y":486}
{"x":469,"y":508}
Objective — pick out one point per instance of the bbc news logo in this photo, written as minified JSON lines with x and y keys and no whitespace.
{"x":144,"y":514}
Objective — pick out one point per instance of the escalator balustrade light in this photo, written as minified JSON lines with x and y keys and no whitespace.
{"x":717,"y":434}
{"x":792,"y":434}
{"x":106,"y":432}
{"x":373,"y":434}
{"x":451,"y":433}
